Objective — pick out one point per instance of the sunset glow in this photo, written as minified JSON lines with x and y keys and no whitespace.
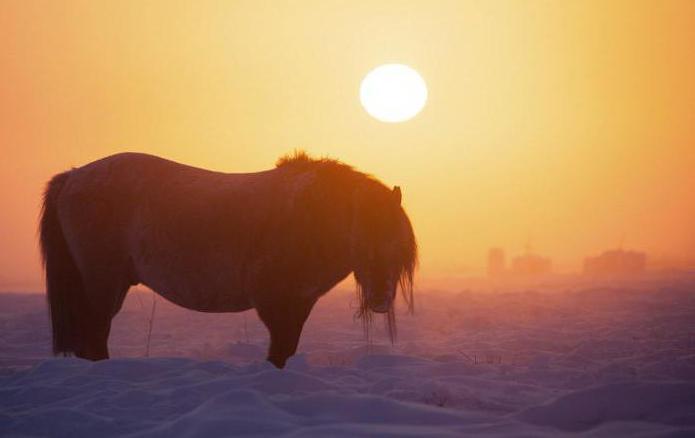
{"x":566,"y":125}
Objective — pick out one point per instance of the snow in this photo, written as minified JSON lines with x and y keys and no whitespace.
{"x":574,"y":358}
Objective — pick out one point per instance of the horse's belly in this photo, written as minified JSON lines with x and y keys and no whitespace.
{"x":190,"y":277}
{"x":204,"y":300}
{"x":202,"y":296}
{"x":189,"y":258}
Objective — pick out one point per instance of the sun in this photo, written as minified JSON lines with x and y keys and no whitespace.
{"x":393,"y":93}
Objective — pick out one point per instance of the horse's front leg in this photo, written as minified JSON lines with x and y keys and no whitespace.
{"x":285,"y":319}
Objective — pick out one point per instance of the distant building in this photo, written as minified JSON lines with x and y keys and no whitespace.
{"x":496,"y":262}
{"x":616,"y":261}
{"x":531,"y":264}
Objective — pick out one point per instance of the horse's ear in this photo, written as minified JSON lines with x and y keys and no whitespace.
{"x":397,"y":195}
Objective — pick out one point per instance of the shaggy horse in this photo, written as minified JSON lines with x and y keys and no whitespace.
{"x":274,"y":241}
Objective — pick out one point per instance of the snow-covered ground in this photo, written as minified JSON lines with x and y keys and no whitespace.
{"x":602,"y":359}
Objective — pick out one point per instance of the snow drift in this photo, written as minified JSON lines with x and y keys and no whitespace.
{"x":589,"y":360}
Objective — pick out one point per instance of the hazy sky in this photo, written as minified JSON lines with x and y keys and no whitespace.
{"x":569,"y":124}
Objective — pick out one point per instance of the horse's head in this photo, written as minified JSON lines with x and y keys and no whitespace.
{"x":384,"y":249}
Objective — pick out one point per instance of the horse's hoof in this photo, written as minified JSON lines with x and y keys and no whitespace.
{"x":278,"y":362}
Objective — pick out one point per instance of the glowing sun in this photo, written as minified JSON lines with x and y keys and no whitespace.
{"x":393,"y":93}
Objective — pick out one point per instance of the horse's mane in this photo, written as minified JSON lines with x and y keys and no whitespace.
{"x":301,"y":161}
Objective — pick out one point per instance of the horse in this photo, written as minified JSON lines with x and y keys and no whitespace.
{"x":274,"y":241}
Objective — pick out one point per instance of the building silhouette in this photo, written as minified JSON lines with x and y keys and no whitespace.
{"x":530,"y":264}
{"x":616,"y":262}
{"x":525,"y":265}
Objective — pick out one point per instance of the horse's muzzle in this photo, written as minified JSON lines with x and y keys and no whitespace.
{"x":381,"y":306}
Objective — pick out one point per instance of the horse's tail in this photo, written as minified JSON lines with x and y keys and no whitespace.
{"x":64,"y":287}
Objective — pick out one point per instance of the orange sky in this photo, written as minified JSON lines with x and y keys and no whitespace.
{"x":571,"y":124}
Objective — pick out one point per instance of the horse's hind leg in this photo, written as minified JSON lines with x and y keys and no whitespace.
{"x":105,"y":300}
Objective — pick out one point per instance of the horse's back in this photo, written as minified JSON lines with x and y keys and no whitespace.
{"x":183,"y":231}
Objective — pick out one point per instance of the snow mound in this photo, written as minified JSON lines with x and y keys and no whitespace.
{"x":187,"y":398}
{"x":658,"y":402}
